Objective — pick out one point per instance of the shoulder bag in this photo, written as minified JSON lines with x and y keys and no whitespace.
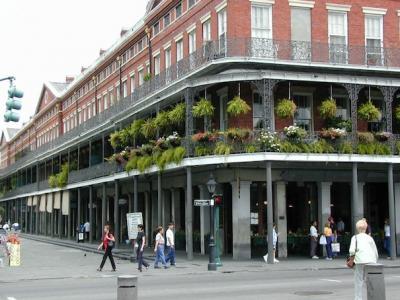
{"x":350,"y":258}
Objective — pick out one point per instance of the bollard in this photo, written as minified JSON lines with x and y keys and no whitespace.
{"x":127,"y":287}
{"x":375,"y":282}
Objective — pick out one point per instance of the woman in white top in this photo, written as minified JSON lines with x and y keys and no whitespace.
{"x":159,"y":248}
{"x":363,"y":248}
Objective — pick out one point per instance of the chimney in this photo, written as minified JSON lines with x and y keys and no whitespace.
{"x":69,"y":79}
{"x":123,"y":31}
{"x":102,"y":51}
{"x":83,"y":69}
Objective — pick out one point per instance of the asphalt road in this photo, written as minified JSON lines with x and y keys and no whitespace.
{"x":52,"y":272}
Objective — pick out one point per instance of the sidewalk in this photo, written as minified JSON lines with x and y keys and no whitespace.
{"x":229,"y":265}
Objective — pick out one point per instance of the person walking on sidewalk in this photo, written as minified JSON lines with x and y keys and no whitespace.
{"x":386,"y":241}
{"x":107,"y":245}
{"x":170,"y":244}
{"x":159,"y":248}
{"x":313,"y":240}
{"x":363,"y":248}
{"x":328,"y":235}
{"x":141,"y":242}
{"x":86,"y":228}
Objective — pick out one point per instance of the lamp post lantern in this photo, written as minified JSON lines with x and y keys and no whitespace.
{"x":211,"y":186}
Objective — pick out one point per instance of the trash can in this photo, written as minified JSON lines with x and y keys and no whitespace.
{"x":375,"y":281}
{"x":127,"y":287}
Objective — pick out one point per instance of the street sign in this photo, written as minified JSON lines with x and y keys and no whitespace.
{"x":204,"y":202}
{"x":133,"y":220}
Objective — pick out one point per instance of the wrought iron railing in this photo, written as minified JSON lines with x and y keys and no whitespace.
{"x":263,"y":49}
{"x":96,"y":171}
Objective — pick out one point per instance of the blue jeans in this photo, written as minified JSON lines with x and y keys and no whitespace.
{"x":329,"y":246}
{"x":160,"y":256}
{"x":170,"y":255}
{"x":386,"y":245}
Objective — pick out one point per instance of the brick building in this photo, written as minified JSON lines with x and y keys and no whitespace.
{"x":182,"y":51}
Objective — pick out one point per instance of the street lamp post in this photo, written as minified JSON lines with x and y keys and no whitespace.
{"x":211,"y":186}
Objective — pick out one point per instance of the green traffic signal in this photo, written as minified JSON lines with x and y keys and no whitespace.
{"x":13,"y":104}
{"x":11,"y":116}
{"x":14,"y":92}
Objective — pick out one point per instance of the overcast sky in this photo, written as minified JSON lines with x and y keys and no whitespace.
{"x":45,"y":40}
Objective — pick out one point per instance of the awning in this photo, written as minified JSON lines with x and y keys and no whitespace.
{"x":42,"y":206}
{"x":49,"y":204}
{"x":34,"y":200}
{"x":65,"y":203}
{"x":57,"y":200}
{"x":29,"y":202}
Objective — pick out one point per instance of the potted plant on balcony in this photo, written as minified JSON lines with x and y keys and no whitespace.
{"x":382,"y":136}
{"x":149,"y":128}
{"x":116,"y":139}
{"x":162,"y":120}
{"x":177,"y":115}
{"x":269,"y":142}
{"x":237,"y":106}
{"x":397,"y":113}
{"x":203,"y":108}
{"x":369,"y":112}
{"x":295,"y":132}
{"x":332,"y":133}
{"x":147,"y":77}
{"x":328,"y":109}
{"x":285,"y":109}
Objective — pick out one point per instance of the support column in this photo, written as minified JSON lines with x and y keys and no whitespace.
{"x":135,"y":193}
{"x":270,"y":210}
{"x":31,"y":219}
{"x":354,"y":196}
{"x":79,"y":212}
{"x":204,"y":218}
{"x":52,"y":216}
{"x":116,"y":214}
{"x":159,"y":200}
{"x":241,"y":220}
{"x":26,"y":216}
{"x":324,"y":203}
{"x":147,"y":217}
{"x":103,"y":207}
{"x":60,"y":218}
{"x":91,"y":214}
{"x":392,"y":218}
{"x":45,"y":231}
{"x":37,"y":216}
{"x":189,"y":99}
{"x":397,"y":214}
{"x":281,"y":217}
{"x":189,"y":214}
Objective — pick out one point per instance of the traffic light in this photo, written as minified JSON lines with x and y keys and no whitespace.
{"x":217,"y":200}
{"x":13,"y":104}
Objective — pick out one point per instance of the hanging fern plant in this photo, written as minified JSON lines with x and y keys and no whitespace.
{"x":162,"y":120}
{"x":397,"y":113}
{"x":328,"y":109}
{"x":115,"y":139}
{"x":237,"y":106}
{"x":203,"y":108}
{"x":177,"y":115}
{"x":136,"y":128}
{"x":149,"y":128}
{"x":285,"y":109}
{"x":369,"y":112}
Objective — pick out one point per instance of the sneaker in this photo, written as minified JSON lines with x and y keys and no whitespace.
{"x":276,"y":261}
{"x":157,"y":267}
{"x":173,"y":265}
{"x":166,"y":267}
{"x":328,"y":258}
{"x":315,"y":257}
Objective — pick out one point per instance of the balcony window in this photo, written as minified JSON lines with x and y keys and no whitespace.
{"x":303,"y":116}
{"x":167,"y":20}
{"x":167,"y":58}
{"x":178,"y":10}
{"x":141,"y":77}
{"x":156,"y":28}
{"x":179,"y":50}
{"x":192,"y":41}
{"x":207,"y":31}
{"x":222,"y":24}
{"x":258,"y":110}
{"x":105,"y":101}
{"x":301,"y":33}
{"x":374,"y":39}
{"x":191,"y":3}
{"x":261,"y":21}
{"x":132,"y":83}
{"x":157,"y":65}
{"x":124,"y":89}
{"x":337,"y":27}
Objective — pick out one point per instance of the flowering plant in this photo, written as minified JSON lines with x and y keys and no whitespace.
{"x":332,"y":133}
{"x":238,"y":134}
{"x":383,"y":136}
{"x":269,"y":141}
{"x":173,"y":140}
{"x":204,"y":137}
{"x":294,"y":132}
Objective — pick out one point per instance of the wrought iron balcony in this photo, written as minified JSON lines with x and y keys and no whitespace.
{"x":263,"y":50}
{"x":96,"y":171}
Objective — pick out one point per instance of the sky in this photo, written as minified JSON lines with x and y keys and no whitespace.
{"x":47,"y":40}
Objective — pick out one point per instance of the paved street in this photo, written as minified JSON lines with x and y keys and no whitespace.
{"x":54,"y":272}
